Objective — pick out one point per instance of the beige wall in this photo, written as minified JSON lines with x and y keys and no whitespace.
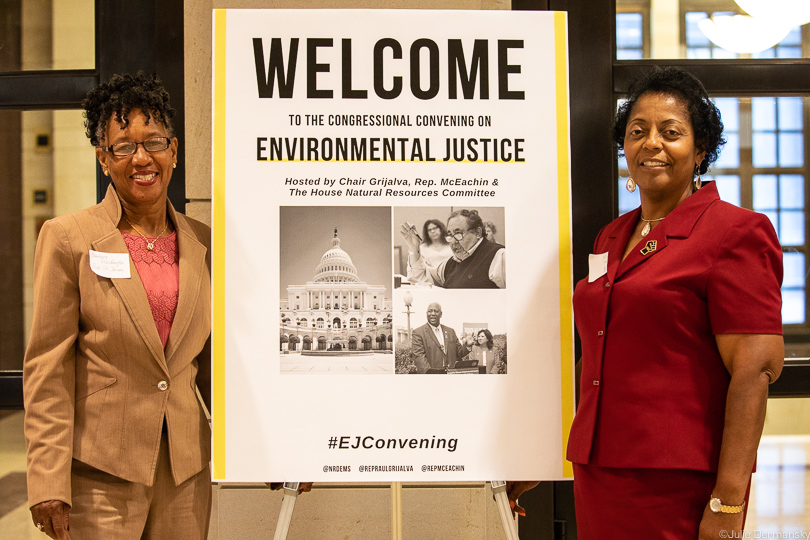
{"x":358,"y":511}
{"x":444,"y":511}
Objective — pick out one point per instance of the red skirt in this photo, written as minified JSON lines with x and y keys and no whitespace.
{"x":640,"y":503}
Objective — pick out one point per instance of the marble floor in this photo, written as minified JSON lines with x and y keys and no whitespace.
{"x":779,"y":505}
{"x":15,"y":520}
{"x":780,"y":492}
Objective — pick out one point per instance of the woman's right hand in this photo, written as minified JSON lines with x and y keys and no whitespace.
{"x":52,"y":518}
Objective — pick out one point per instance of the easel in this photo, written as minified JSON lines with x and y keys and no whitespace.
{"x":290,"y":490}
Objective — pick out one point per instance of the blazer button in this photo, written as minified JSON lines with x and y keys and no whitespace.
{"x":596,"y":383}
{"x":599,"y":333}
{"x":163,"y":386}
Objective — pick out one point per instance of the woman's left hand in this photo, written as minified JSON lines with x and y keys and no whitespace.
{"x":720,"y":526}
{"x":515,"y":490}
{"x":303,"y":487}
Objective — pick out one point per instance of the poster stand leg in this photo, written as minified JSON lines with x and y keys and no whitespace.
{"x":290,"y":491}
{"x":396,"y":510}
{"x":499,"y":492}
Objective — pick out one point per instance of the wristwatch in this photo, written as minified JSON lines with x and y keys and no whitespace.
{"x":719,"y":508}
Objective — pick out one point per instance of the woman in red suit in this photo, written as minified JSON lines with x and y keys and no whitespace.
{"x":680,"y":321}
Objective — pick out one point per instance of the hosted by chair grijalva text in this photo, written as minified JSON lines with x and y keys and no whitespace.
{"x":276,"y":74}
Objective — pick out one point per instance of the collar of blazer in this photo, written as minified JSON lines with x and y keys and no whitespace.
{"x":678,"y":224}
{"x":133,"y":295}
{"x":443,"y":331}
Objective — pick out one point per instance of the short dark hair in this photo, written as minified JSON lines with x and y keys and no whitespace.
{"x":115,"y":100}
{"x":490,"y":341}
{"x":474,"y":221}
{"x":703,"y":113}
{"x":426,"y":237}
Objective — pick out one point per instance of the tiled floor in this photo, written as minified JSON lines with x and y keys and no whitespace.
{"x":15,"y":520}
{"x":780,"y":493}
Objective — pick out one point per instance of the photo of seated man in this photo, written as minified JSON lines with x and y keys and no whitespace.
{"x":474,"y":262}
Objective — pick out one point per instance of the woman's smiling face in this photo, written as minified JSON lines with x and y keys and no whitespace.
{"x":659,"y":145}
{"x":141,"y":179}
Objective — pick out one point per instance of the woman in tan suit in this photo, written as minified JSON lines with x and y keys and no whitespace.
{"x":118,"y":441}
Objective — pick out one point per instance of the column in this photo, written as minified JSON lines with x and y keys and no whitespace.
{"x":665,"y":29}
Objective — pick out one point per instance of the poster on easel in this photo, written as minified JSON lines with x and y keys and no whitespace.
{"x":391,"y":201}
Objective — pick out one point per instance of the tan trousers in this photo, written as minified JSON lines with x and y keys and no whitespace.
{"x":109,"y":508}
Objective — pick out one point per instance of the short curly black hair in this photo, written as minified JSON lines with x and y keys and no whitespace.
{"x":121,"y":95}
{"x":705,"y":117}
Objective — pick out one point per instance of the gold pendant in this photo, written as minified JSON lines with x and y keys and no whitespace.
{"x":646,"y":230}
{"x":150,"y":246}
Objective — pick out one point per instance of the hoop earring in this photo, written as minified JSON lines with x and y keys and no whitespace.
{"x":631,"y":185}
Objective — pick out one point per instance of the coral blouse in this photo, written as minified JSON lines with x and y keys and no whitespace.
{"x":159,"y":270}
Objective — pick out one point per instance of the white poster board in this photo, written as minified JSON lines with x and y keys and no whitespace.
{"x":331,"y":129}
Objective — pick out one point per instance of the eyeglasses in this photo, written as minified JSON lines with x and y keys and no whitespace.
{"x":155,"y":144}
{"x":458,"y":236}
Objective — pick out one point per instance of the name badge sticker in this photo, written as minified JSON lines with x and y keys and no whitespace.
{"x":597,"y":266}
{"x":110,"y":265}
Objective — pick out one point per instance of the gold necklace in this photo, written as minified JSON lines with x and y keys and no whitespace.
{"x":646,"y":230}
{"x":149,"y":245}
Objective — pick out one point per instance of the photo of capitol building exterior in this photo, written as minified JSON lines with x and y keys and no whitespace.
{"x":335,"y":314}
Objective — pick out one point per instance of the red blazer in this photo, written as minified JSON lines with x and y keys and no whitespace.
{"x":653,"y":386}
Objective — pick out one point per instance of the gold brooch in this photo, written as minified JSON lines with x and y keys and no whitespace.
{"x":651,"y":246}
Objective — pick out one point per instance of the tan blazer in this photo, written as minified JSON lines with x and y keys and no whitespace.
{"x":97,"y":382}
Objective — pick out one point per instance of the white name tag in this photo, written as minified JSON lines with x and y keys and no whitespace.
{"x":110,"y":265}
{"x":597,"y":266}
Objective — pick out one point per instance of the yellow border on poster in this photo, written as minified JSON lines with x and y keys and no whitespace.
{"x":564,"y":228}
{"x":218,"y":313}
{"x":218,"y":210}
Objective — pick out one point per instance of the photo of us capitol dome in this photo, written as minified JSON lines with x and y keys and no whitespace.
{"x":331,"y":319}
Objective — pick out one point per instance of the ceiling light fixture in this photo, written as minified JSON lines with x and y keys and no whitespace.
{"x":743,"y":34}
{"x":792,"y":12}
